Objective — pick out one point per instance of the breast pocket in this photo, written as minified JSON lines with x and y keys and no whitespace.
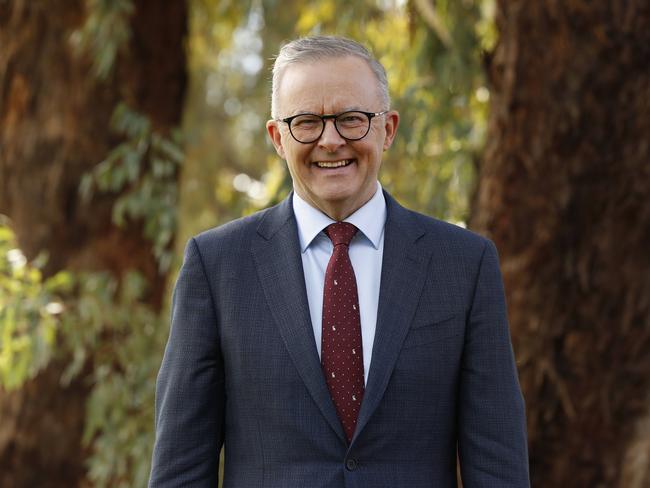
{"x":424,"y":332}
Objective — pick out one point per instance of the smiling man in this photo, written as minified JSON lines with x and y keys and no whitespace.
{"x":338,"y":339}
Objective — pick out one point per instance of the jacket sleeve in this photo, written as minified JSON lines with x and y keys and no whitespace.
{"x":190,"y":395}
{"x":492,"y":443}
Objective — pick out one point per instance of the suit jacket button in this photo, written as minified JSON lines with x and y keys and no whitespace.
{"x":351,"y":464}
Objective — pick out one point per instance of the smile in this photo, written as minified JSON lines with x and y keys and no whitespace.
{"x":333,"y":164}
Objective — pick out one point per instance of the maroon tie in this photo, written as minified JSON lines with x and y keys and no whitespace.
{"x":341,"y":354}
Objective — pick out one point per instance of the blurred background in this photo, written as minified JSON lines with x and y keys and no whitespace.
{"x":126,"y":126}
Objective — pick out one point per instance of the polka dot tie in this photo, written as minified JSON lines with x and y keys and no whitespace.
{"x":341,"y":354}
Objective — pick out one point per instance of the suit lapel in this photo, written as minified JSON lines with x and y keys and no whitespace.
{"x":403,"y":275}
{"x":276,"y":252}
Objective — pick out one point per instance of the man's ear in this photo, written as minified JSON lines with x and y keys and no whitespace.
{"x":273,"y":129}
{"x":390,"y":126}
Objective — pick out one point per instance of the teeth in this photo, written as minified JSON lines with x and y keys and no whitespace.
{"x":332,"y":164}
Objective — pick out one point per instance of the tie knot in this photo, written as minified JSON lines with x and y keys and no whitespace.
{"x":341,"y":233}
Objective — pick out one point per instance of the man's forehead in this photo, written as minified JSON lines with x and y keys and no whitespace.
{"x":345,"y":82}
{"x":349,"y":62}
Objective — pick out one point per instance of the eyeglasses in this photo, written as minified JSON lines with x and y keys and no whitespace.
{"x":352,"y":126}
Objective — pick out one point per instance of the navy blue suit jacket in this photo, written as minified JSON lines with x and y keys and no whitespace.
{"x":241,"y":367}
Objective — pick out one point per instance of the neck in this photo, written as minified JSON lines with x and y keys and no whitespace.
{"x":337,"y":211}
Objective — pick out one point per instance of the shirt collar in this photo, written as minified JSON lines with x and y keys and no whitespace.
{"x":369,"y":219}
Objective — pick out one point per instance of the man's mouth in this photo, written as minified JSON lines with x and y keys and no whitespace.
{"x":334,"y":164}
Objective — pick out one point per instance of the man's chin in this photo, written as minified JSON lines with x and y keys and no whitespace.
{"x":340,"y":205}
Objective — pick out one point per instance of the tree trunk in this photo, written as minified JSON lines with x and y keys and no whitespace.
{"x":54,"y":127}
{"x":564,"y":191}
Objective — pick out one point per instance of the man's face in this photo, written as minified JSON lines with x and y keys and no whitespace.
{"x":331,"y":86}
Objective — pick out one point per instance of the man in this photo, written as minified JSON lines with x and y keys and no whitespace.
{"x":338,"y":339}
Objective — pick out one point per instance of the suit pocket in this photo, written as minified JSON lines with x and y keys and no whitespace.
{"x":423,"y":333}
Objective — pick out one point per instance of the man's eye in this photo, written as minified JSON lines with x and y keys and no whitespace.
{"x":350,"y":119}
{"x":305,"y":123}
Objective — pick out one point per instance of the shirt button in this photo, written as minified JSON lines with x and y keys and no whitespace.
{"x":351,"y":464}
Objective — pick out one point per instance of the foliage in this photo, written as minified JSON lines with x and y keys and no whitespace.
{"x":107,"y":322}
{"x":29,"y":310}
{"x":144,"y":169}
{"x":105,"y":31}
{"x":126,"y":339}
{"x":91,"y":318}
{"x":95,"y":319}
{"x":118,"y":326}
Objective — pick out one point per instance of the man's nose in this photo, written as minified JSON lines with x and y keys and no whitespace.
{"x":330,"y":139}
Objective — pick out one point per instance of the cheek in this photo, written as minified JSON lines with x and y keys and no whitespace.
{"x":298,"y":160}
{"x":290,"y":153}
{"x":374,"y":154}
{"x":295,"y":163}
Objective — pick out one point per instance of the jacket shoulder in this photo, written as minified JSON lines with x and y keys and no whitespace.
{"x":454,"y":232}
{"x":234,"y":237}
{"x":233,"y":230}
{"x":452,"y":237}
{"x":436,"y":232}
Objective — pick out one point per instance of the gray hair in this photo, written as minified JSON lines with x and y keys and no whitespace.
{"x":316,"y":48}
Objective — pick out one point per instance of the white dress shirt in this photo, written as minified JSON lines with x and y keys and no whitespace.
{"x":366,"y":251}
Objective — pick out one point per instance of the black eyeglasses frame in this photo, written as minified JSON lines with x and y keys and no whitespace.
{"x":333,"y":117}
